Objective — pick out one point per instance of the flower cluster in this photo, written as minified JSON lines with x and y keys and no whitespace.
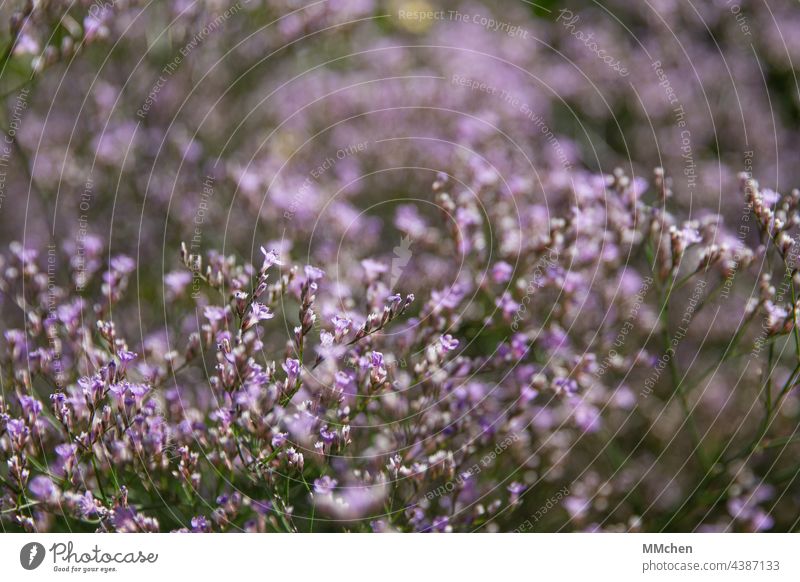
{"x":387,"y":285}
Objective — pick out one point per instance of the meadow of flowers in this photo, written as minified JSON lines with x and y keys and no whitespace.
{"x":399,"y":266}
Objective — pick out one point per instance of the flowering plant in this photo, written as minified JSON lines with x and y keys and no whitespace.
{"x":362,"y":306}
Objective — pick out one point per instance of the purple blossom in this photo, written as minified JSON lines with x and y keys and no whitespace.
{"x":86,"y":504}
{"x":123,"y":264}
{"x":448,"y":343}
{"x":314,"y":273}
{"x":560,"y":307}
{"x":17,"y":428}
{"x":214,"y":313}
{"x":342,"y":325}
{"x":258,"y":312}
{"x":176,"y":282}
{"x":292,"y":368}
{"x":43,"y":489}
{"x":501,"y":272}
{"x":324,"y":485}
{"x":566,"y":386}
{"x":30,"y":405}
{"x":279,"y":439}
{"x":125,"y":356}
{"x":271,"y":258}
{"x":373,"y":269}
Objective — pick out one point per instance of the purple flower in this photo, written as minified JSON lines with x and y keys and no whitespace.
{"x":377,"y":360}
{"x":326,"y":338}
{"x":93,"y":387}
{"x":324,"y":485}
{"x":566,"y":386}
{"x":138,"y":390}
{"x":313,"y":273}
{"x":343,"y":381}
{"x":200,"y":524}
{"x":271,"y":257}
{"x":43,"y":489}
{"x":327,"y":435}
{"x":577,"y":507}
{"x":258,"y":312}
{"x":448,"y":343}
{"x":501,"y":272}
{"x":125,"y":356}
{"x":123,"y":264}
{"x":30,"y":405}
{"x":373,"y":269}
{"x":17,"y":429}
{"x":761,"y":521}
{"x":118,"y":389}
{"x":292,"y":369}
{"x":66,"y":451}
{"x":176,"y":282}
{"x":86,"y":505}
{"x":124,"y":520}
{"x":516,"y":488}
{"x":342,"y":325}
{"x":396,"y":298}
{"x":214,"y":313}
{"x":279,"y":439}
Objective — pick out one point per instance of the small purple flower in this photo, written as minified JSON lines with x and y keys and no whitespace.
{"x":123,"y":264}
{"x":93,"y":387}
{"x":324,"y":485}
{"x":507,"y":304}
{"x":17,"y":429}
{"x":328,"y":436}
{"x":86,"y":505}
{"x":124,"y":520}
{"x":343,"y":381}
{"x":43,"y":488}
{"x":377,"y":367}
{"x":279,"y":439}
{"x":515,"y":489}
{"x":125,"y":356}
{"x":577,"y":507}
{"x":341,"y":325}
{"x":118,"y":389}
{"x":66,"y":451}
{"x":292,"y":369}
{"x":501,"y":272}
{"x":214,"y":313}
{"x":314,"y":273}
{"x":566,"y":386}
{"x":448,"y":343}
{"x":761,"y":521}
{"x":295,"y":458}
{"x":271,"y":257}
{"x":30,"y":405}
{"x":176,"y":282}
{"x":326,"y":338}
{"x":258,"y":312}
{"x":138,"y":390}
{"x":373,"y":268}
